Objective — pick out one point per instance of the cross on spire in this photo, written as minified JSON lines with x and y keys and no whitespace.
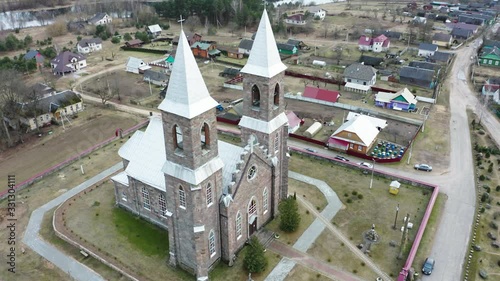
{"x":181,"y":20}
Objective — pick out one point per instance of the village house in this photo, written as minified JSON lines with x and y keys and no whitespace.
{"x":89,"y":45}
{"x":136,"y":65}
{"x":357,"y":134}
{"x":491,"y":57}
{"x":359,"y":77}
{"x":425,"y":65}
{"x":230,"y":52}
{"x":204,"y":50}
{"x":245,"y":46}
{"x":191,"y":37}
{"x":100,"y":19}
{"x":134,"y":43}
{"x":491,"y":89}
{"x":417,"y":76}
{"x":286,"y":49}
{"x":210,"y":195}
{"x":297,"y":19}
{"x":317,"y":12}
{"x":378,"y":44}
{"x":52,"y":106}
{"x":371,"y":61}
{"x":426,"y":49}
{"x":35,"y":55}
{"x":67,"y":62}
{"x":441,"y":57}
{"x":394,"y":35}
{"x":155,"y":77}
{"x":460,"y":25}
{"x":461,"y":34}
{"x":442,"y":39}
{"x":318,"y":93}
{"x":154,"y":30}
{"x":300,"y":45}
{"x":402,"y":100}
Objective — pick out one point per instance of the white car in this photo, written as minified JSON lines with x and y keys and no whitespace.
{"x":365,"y":164}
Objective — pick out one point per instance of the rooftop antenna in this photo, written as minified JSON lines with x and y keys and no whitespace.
{"x":181,"y":20}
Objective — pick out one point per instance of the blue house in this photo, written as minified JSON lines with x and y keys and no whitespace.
{"x":403,"y":100}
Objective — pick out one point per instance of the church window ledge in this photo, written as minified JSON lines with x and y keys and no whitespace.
{"x":239,"y":236}
{"x":182,"y":207}
{"x":179,"y":152}
{"x":255,"y":108}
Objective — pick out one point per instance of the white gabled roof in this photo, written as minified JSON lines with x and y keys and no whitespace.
{"x":365,"y":127}
{"x":121,"y":178}
{"x":407,"y":95}
{"x":264,"y":59}
{"x":135,"y":62}
{"x":187,"y":95}
{"x":384,"y":96}
{"x":146,"y":153}
{"x":154,"y":28}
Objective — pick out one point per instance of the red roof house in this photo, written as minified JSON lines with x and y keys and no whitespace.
{"x":321,"y":94}
{"x":378,"y":44}
{"x":294,"y":122}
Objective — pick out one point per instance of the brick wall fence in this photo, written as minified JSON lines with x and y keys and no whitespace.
{"x":70,"y":160}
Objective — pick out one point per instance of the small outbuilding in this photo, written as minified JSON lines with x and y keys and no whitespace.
{"x":394,"y":187}
{"x":313,"y":130}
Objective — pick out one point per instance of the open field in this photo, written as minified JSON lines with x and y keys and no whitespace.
{"x":30,"y":266}
{"x":302,"y":273}
{"x":488,"y":259}
{"x":365,"y":207}
{"x":93,"y":125}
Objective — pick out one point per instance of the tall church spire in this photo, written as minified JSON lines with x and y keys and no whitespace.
{"x":264,"y":59}
{"x":187,"y":95}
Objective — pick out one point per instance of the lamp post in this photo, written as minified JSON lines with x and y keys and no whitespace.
{"x":396,"y":218}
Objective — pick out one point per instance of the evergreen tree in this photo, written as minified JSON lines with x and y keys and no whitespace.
{"x":255,"y":261}
{"x":289,"y":215}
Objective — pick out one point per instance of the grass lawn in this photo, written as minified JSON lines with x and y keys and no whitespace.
{"x":330,"y":249}
{"x":310,"y":193}
{"x":376,"y":206}
{"x":121,"y":235}
{"x":302,"y":273}
{"x":237,"y":272}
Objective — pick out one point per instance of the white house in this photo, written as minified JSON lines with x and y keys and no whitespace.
{"x":136,"y":65}
{"x":89,"y":45}
{"x":426,"y":49}
{"x":317,"y":12}
{"x":100,"y":19}
{"x":67,"y":62}
{"x":297,"y":19}
{"x":154,"y":30}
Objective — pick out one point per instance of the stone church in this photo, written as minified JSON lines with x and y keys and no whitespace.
{"x":209,"y":194}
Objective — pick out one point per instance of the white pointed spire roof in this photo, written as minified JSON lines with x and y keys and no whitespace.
{"x":264,"y":59}
{"x":187,"y":95}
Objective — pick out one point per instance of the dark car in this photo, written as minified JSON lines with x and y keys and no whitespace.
{"x":423,"y":167}
{"x":428,"y":266}
{"x":342,"y":158}
{"x":311,"y":150}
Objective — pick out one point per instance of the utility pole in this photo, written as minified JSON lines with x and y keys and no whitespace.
{"x":396,"y":218}
{"x":409,"y":156}
{"x":404,"y":236}
{"x":373,"y":168}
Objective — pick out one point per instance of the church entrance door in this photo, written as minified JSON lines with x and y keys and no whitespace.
{"x":252,"y":227}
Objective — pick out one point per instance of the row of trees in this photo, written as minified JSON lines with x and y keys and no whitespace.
{"x":11,"y":43}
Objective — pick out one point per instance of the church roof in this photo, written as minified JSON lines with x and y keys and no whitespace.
{"x":187,"y":95}
{"x":264,"y":59}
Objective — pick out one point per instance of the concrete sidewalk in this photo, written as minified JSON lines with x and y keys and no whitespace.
{"x":75,"y":269}
{"x":310,"y":235}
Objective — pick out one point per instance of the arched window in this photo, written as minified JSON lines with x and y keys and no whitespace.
{"x":205,"y":136}
{"x":145,"y":199}
{"x":265,"y":200}
{"x":163,"y":205}
{"x":238,"y":225}
{"x":182,"y":197}
{"x":255,"y":96}
{"x":177,"y":137}
{"x":211,"y":243}
{"x":277,"y":95}
{"x":252,"y":208}
{"x":209,"y":194}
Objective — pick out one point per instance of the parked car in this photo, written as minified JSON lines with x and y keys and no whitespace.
{"x":311,"y":150}
{"x":342,"y":158}
{"x":428,"y":266}
{"x":366,"y":164}
{"x":423,"y":167}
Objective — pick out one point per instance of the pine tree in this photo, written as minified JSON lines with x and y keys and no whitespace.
{"x":255,"y":261}
{"x":289,"y":215}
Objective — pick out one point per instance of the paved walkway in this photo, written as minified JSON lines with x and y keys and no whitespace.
{"x":75,"y":269}
{"x":310,"y":235}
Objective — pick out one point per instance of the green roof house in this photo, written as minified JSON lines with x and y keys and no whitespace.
{"x":490,"y":58}
{"x":286,"y":49}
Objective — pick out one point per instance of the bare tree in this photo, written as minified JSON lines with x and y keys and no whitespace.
{"x":339,"y":53}
{"x":12,"y":89}
{"x":325,"y":27}
{"x":192,"y":23}
{"x":33,"y":98}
